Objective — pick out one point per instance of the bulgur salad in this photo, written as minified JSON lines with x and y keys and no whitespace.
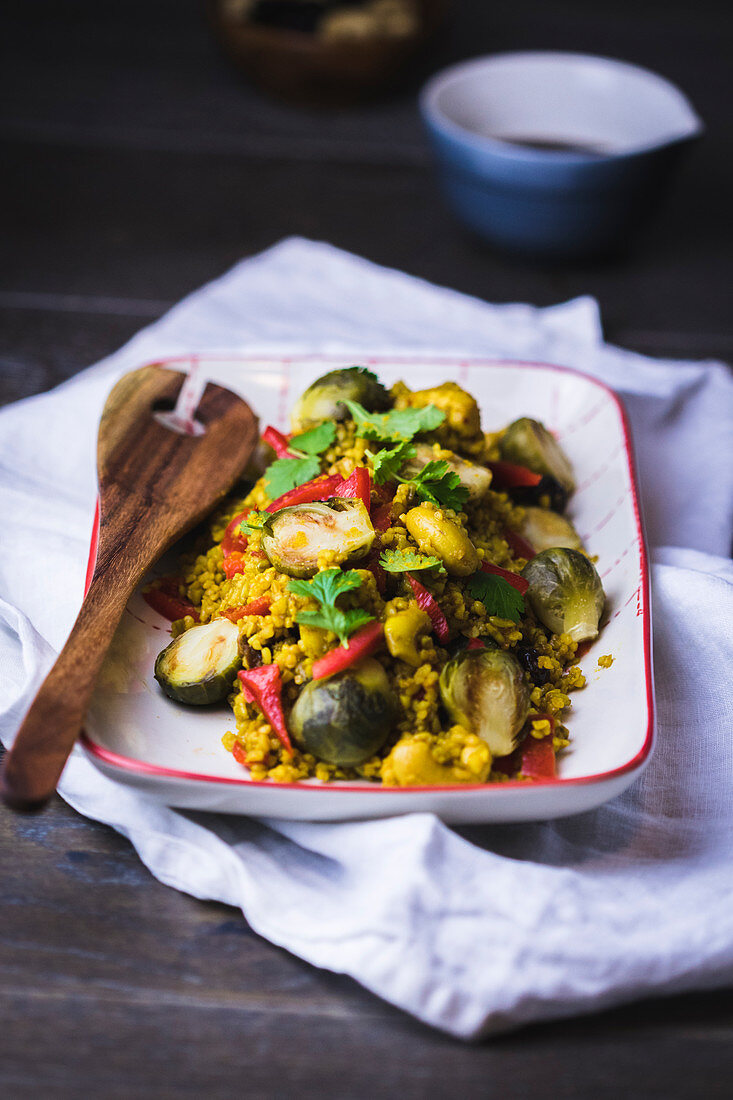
{"x":397,"y":597}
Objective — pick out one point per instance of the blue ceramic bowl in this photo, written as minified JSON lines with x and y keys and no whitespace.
{"x":555,"y":154}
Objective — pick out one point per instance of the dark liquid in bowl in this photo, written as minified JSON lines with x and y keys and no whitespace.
{"x":548,"y":145}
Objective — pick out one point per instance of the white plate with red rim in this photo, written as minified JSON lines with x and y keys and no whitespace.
{"x":174,"y":754}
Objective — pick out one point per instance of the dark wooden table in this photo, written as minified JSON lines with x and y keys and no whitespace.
{"x":135,"y":166}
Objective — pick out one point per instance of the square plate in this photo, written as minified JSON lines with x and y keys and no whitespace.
{"x":134,"y":734}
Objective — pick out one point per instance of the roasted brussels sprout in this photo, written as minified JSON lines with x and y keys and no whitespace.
{"x":324,"y":398}
{"x":294,"y":537}
{"x":442,"y":538}
{"x":528,"y":443}
{"x":485,"y":691}
{"x":476,"y":479}
{"x":544,"y":529}
{"x":345,"y":718}
{"x":200,"y":665}
{"x":565,"y":592}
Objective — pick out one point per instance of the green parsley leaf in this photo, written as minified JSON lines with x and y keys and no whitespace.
{"x":498,"y":596}
{"x":387,"y":462}
{"x":404,"y":561}
{"x":255,"y":521}
{"x":342,"y":623}
{"x":397,"y":426}
{"x":315,"y":441}
{"x":287,"y":473}
{"x":437,"y":483}
{"x":326,"y":587}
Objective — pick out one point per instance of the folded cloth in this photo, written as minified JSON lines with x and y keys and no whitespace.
{"x":474,"y":930}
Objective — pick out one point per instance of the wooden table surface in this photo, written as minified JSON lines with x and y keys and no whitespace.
{"x":135,"y":166}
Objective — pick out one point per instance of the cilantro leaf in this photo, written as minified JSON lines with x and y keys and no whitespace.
{"x":437,"y":483}
{"x":326,"y":587}
{"x":498,"y":596}
{"x":404,"y":561}
{"x":387,"y":462}
{"x":342,"y":623}
{"x":431,"y":471}
{"x":397,"y":426}
{"x":287,"y":473}
{"x":315,"y":441}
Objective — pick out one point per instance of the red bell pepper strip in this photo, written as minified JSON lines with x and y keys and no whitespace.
{"x":232,"y":565}
{"x":513,"y":579}
{"x":519,"y":545}
{"x":508,"y":765}
{"x":538,"y":758}
{"x":377,"y":570}
{"x":325,"y":487}
{"x":426,"y":602}
{"x":358,"y":485}
{"x":239,"y":754}
{"x":382,"y":516}
{"x":362,"y":644}
{"x":233,"y":539}
{"x":277,"y":441}
{"x":260,"y":606}
{"x":263,"y":686}
{"x":165,"y":598}
{"x":538,"y":755}
{"x":507,"y":475}
{"x":321,"y":488}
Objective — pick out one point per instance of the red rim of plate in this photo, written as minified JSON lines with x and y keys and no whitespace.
{"x":130,"y":764}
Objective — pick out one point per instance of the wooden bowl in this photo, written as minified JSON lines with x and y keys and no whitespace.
{"x":306,"y":68}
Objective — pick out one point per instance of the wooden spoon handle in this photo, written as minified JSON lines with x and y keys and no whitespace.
{"x":42,"y":745}
{"x":154,"y":484}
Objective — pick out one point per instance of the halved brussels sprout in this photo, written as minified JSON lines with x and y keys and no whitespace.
{"x":441,"y":538}
{"x":200,"y":665}
{"x":345,"y":718}
{"x":485,"y":691}
{"x":476,"y":479}
{"x":544,"y":529}
{"x":565,"y":592}
{"x":293,"y":538}
{"x":528,"y":443}
{"x":324,"y":398}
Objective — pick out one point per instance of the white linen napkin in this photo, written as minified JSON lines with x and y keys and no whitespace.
{"x":474,"y":930}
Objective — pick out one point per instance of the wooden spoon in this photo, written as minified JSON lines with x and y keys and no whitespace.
{"x":154,"y":485}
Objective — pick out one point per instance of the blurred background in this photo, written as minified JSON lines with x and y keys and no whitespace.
{"x":138,"y":162}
